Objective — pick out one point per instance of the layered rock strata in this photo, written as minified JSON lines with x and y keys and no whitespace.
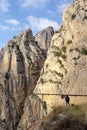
{"x":20,"y":64}
{"x":65,"y":69}
{"x":43,"y":39}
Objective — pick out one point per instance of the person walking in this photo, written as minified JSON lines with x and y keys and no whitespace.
{"x":67,"y":99}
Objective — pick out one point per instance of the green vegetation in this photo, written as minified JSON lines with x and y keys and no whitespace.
{"x":59,"y":74}
{"x":42,"y":81}
{"x":66,"y":118}
{"x":60,"y":52}
{"x":85,"y":17}
{"x":74,"y":58}
{"x":63,"y":49}
{"x":63,"y":56}
{"x":55,"y":82}
{"x":69,"y":41}
{"x":51,"y":81}
{"x":75,"y":63}
{"x":55,"y":47}
{"x":84,"y":51}
{"x":71,"y":50}
{"x":76,"y":49}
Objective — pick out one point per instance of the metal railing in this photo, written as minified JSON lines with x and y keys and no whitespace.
{"x":60,"y":94}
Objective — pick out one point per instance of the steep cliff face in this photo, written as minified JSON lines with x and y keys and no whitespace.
{"x":65,"y":69}
{"x":20,"y":64}
{"x":43,"y":39}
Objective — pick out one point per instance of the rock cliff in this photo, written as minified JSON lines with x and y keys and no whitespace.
{"x":43,"y":39}
{"x":65,"y":69}
{"x":20,"y":64}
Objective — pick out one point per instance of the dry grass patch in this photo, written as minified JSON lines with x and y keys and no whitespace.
{"x":66,"y":118}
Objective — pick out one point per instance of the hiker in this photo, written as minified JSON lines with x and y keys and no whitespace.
{"x":67,"y":99}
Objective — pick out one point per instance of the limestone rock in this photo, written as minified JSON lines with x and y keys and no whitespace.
{"x":65,"y":69}
{"x":44,"y":37}
{"x":20,"y":64}
{"x":31,"y":111}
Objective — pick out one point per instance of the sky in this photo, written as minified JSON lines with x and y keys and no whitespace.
{"x":18,"y":15}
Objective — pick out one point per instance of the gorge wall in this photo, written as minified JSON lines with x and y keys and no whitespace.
{"x":23,"y":71}
{"x":65,"y":69}
{"x":20,"y":64}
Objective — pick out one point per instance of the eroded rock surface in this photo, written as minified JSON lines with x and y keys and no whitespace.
{"x":65,"y":69}
{"x":43,"y":39}
{"x":20,"y":64}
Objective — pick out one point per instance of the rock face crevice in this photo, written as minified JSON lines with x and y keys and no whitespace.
{"x":20,"y":64}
